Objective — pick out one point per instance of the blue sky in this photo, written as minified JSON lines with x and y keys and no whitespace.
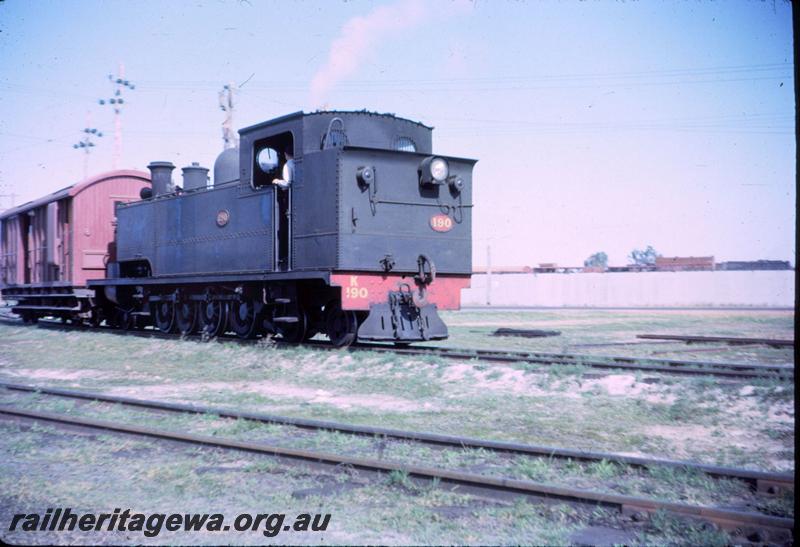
{"x":599,"y":126}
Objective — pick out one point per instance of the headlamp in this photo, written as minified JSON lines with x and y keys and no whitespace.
{"x":439,"y":170}
{"x":433,"y":170}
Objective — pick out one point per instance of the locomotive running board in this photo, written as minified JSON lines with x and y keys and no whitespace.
{"x":402,"y":322}
{"x":204,"y":278}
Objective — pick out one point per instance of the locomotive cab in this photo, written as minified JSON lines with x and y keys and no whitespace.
{"x":271,"y":155}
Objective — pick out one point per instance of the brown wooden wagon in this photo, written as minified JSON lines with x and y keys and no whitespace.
{"x":51,"y":247}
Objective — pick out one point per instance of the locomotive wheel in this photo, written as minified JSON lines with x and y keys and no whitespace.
{"x":213,"y":318}
{"x":29,"y":318}
{"x":95,"y":318}
{"x":164,"y":316}
{"x":294,"y":333}
{"x":341,"y":326}
{"x":315,"y":319}
{"x":124,"y":320}
{"x":243,"y":318}
{"x":186,"y":317}
{"x":109,"y":315}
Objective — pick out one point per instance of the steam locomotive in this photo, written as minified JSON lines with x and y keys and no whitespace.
{"x":371,"y":238}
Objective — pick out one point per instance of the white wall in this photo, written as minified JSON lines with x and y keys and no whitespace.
{"x":630,"y":289}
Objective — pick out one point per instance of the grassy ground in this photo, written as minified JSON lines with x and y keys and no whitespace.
{"x":680,"y":486}
{"x":742,"y":423}
{"x":102,"y":472}
{"x":613,"y":332}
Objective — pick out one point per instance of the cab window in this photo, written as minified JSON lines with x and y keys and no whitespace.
{"x":269,"y":158}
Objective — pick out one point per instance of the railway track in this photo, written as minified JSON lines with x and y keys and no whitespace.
{"x":645,"y":364}
{"x":762,"y":481}
{"x":777,"y":529}
{"x":730,"y":340}
{"x":640,"y":364}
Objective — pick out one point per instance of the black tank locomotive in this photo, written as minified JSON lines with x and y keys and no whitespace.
{"x":372,"y":237}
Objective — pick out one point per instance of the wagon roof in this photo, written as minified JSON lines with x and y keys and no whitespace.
{"x":72,"y":190}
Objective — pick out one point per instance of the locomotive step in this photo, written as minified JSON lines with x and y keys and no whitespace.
{"x":285,"y":320}
{"x":40,"y":295}
{"x":47,"y":308}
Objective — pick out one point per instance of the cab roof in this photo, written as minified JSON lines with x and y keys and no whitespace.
{"x":348,"y":113}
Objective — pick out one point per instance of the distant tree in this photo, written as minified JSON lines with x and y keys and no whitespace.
{"x":597,"y":260}
{"x":644,"y":258}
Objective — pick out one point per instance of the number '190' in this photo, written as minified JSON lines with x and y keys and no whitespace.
{"x":441,"y":223}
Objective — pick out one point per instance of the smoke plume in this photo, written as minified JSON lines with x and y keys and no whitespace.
{"x":358,"y":37}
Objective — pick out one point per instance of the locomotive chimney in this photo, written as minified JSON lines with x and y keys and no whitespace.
{"x":194,"y":177}
{"x":161,"y":177}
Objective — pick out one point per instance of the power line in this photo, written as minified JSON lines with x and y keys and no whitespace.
{"x":27,"y":89}
{"x":422,"y":83}
{"x":675,"y":76}
{"x":712,"y":119}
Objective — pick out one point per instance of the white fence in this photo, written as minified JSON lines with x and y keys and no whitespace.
{"x":769,"y":289}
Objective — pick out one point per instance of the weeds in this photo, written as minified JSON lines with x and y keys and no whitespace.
{"x":494,"y":375}
{"x":400,"y":478}
{"x":683,"y":532}
{"x":705,"y":383}
{"x":537,"y":469}
{"x":676,"y":476}
{"x":604,"y":469}
{"x":262,"y":466}
{"x":780,"y":505}
{"x":778,"y":433}
{"x":565,"y":371}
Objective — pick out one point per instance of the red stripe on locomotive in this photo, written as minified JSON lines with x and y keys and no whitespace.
{"x":359,"y":290}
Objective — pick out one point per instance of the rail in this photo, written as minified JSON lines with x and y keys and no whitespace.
{"x":777,"y":527}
